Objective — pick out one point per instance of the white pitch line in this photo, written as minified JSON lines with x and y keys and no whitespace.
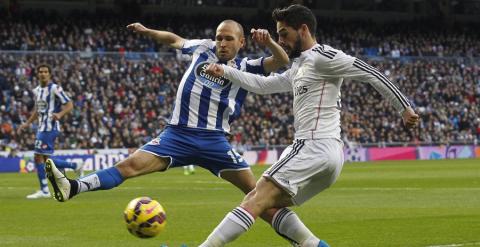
{"x":455,"y":245}
{"x":379,"y":188}
{"x":404,"y":188}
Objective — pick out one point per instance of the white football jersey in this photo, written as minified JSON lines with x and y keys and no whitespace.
{"x":315,"y":79}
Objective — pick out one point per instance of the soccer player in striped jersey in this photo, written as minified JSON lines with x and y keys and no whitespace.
{"x":49,"y":98}
{"x":204,"y":108}
{"x":314,"y":160}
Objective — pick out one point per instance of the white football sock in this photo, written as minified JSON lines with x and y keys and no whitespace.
{"x":232,"y":226}
{"x":87,"y":183}
{"x":287,"y":224}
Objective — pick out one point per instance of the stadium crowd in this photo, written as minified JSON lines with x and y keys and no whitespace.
{"x":124,"y":102}
{"x":106,"y":32}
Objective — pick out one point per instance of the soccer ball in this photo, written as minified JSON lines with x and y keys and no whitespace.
{"x":145,"y":217}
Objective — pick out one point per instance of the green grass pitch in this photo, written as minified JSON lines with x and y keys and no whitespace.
{"x":407,"y":203}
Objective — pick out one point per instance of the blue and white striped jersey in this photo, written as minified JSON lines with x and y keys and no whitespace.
{"x":206,"y":102}
{"x":48,"y":100}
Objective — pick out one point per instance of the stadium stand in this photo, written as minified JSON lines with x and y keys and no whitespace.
{"x":123,"y":85}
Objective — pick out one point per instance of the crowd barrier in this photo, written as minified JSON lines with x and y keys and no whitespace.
{"x":101,"y":159}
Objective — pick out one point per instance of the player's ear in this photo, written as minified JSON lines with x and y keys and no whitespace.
{"x":242,"y":41}
{"x":304,"y":30}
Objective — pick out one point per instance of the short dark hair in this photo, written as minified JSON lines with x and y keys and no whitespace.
{"x":296,"y":15}
{"x":43,"y":65}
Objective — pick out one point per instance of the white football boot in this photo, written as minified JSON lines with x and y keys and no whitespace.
{"x":39,"y":194}
{"x":60,"y":183}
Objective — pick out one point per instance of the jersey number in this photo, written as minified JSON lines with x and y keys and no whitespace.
{"x":38,"y":144}
{"x":236,"y":157}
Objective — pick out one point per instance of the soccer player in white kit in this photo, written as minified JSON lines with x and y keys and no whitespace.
{"x":314,"y":160}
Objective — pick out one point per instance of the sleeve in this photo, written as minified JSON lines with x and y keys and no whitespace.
{"x":190,"y":45}
{"x":255,"y":66}
{"x":277,"y":83}
{"x":61,"y":95}
{"x":342,"y":65}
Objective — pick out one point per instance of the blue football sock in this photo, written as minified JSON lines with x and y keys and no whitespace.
{"x":42,"y":177}
{"x":100,"y":180}
{"x":64,"y":164}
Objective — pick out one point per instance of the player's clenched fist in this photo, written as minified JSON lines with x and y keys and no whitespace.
{"x":410,"y":118}
{"x":261,"y":36}
{"x":137,"y":27}
{"x":215,"y":70}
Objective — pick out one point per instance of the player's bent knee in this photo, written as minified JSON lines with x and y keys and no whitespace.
{"x":256,"y":202}
{"x":249,"y":195}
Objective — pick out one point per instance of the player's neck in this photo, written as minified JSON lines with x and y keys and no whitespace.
{"x":309,"y":43}
{"x":44,"y":84}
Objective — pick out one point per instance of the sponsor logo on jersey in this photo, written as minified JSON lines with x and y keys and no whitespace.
{"x":208,"y":80}
{"x":299,"y":90}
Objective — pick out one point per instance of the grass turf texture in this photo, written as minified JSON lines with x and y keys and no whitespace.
{"x":407,"y":203}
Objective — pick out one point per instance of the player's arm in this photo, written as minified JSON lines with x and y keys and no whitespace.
{"x":279,"y":57}
{"x":29,"y":121}
{"x":345,"y":66}
{"x":277,"y":83}
{"x":66,"y":108}
{"x":162,"y":37}
{"x":67,"y":105}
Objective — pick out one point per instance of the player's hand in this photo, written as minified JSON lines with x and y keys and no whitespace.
{"x":261,"y":36}
{"x":410,"y":118}
{"x":215,"y":70}
{"x":137,"y":27}
{"x":56,"y":116}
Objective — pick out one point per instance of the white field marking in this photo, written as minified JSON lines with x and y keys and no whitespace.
{"x":404,"y":188}
{"x":224,"y":182}
{"x":455,"y":245}
{"x":168,"y":188}
{"x":379,"y":188}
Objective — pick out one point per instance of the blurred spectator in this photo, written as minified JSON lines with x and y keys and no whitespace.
{"x":106,"y":31}
{"x":123,"y":100}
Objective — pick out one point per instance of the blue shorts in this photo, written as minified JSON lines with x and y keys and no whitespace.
{"x":188,"y":146}
{"x":45,"y":142}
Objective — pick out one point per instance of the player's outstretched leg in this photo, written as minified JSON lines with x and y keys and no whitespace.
{"x":65,"y":188}
{"x":137,"y":164}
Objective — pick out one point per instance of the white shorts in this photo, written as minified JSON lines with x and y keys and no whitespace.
{"x":307,"y":167}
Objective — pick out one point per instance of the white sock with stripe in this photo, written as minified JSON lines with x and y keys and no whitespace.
{"x":287,"y":224}
{"x":232,"y":226}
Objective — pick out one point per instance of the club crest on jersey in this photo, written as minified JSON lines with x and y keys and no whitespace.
{"x":208,"y":80}
{"x":41,"y":105}
{"x":155,"y":141}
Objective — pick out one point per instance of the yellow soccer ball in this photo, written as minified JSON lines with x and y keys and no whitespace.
{"x":145,"y":217}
